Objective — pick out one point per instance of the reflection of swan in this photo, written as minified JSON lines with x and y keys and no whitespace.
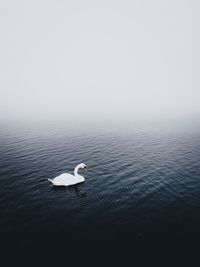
{"x":75,"y":190}
{"x":66,"y":179}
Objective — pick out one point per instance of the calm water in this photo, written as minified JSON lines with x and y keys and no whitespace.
{"x":139,"y":205}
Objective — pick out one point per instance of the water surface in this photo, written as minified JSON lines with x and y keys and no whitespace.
{"x":140,"y":203}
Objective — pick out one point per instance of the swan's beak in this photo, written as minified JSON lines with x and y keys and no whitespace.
{"x":85,"y":168}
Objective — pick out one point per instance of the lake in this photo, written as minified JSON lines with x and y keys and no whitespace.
{"x":139,"y":205}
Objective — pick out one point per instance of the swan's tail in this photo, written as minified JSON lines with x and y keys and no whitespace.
{"x":50,"y":181}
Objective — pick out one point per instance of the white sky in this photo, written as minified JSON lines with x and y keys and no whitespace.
{"x":83,"y":60}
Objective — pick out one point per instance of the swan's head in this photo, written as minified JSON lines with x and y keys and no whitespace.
{"x":83,"y":166}
{"x":80,"y":166}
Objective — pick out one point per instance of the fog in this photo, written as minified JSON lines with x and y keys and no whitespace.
{"x":99,"y":60}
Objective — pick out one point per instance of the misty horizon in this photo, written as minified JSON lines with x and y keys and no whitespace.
{"x":103,"y":61}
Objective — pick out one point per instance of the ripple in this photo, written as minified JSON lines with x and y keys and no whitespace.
{"x":131,"y":174}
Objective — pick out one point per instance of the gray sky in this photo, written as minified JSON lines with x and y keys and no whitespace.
{"x":90,"y":60}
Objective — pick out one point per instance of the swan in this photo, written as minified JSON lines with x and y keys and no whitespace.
{"x":66,"y":179}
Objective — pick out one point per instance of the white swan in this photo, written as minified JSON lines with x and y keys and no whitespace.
{"x":66,"y":179}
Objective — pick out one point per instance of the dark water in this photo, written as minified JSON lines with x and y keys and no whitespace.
{"x":139,"y":205}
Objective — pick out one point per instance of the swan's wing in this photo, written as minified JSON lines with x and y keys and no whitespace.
{"x":67,"y":179}
{"x":64,"y":177}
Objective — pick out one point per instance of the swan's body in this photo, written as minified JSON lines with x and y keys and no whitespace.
{"x":66,"y":179}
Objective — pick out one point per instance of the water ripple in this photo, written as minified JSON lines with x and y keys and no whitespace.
{"x":134,"y":172}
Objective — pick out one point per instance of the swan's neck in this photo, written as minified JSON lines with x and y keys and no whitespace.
{"x":76,"y":171}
